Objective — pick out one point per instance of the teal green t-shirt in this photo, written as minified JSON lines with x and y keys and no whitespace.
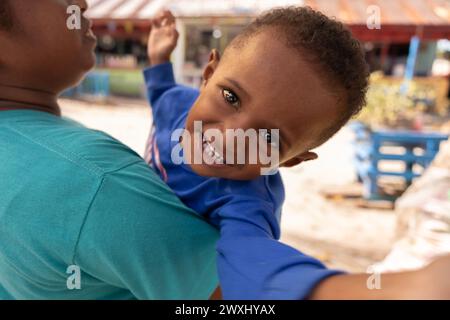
{"x":83,"y":217}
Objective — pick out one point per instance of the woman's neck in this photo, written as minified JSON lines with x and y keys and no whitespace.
{"x":19,"y":98}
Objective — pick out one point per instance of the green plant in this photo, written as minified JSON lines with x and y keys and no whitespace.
{"x":387,"y":106}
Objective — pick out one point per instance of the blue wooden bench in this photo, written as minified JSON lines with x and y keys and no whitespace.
{"x":96,"y":83}
{"x":369,"y":152}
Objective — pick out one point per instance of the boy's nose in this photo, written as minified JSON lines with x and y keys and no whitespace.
{"x":237,"y":123}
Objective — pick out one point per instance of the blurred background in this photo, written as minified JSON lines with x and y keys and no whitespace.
{"x":379,"y":194}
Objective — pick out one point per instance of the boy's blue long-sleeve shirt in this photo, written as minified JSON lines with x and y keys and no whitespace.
{"x":252,"y":263}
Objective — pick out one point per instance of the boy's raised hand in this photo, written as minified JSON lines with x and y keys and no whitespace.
{"x":163,"y":38}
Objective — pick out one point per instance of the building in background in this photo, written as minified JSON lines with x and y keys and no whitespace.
{"x":122,"y":27}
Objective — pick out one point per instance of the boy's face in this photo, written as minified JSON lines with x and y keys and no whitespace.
{"x":40,"y":52}
{"x":263,"y":85}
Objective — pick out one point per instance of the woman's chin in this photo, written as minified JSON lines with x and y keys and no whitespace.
{"x":89,"y":62}
{"x":86,"y":65}
{"x":76,"y":80}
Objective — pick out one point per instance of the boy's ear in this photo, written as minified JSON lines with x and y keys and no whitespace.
{"x":307,"y":156}
{"x":214,"y":59}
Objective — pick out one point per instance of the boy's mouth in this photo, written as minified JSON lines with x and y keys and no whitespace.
{"x":211,"y":153}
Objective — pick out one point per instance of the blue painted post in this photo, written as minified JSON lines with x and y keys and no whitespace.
{"x":409,"y":164}
{"x":373,"y":171}
{"x":411,"y":63}
{"x":432,"y":148}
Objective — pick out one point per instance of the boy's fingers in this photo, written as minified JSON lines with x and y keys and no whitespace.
{"x":167,"y":15}
{"x":170,"y":17}
{"x":163,"y":18}
{"x":168,"y":22}
{"x":158,"y":19}
{"x":157,"y":22}
{"x":169,"y":25}
{"x":175,"y":32}
{"x":163,"y":14}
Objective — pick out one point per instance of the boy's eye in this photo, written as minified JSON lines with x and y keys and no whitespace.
{"x":230,"y":97}
{"x":268,"y":137}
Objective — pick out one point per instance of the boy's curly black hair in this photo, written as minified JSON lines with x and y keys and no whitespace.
{"x":331,"y":49}
{"x":5,"y":15}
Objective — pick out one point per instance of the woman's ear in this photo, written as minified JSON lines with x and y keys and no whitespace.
{"x":214,"y":59}
{"x":307,"y":156}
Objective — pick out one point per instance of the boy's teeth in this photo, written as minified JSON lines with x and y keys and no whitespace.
{"x":211,"y":151}
{"x":218,"y":157}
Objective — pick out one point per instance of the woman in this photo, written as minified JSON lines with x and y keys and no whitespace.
{"x":81,"y":215}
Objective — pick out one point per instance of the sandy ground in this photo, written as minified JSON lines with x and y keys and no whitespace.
{"x":337,"y":232}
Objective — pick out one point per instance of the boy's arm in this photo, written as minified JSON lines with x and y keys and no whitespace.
{"x":158,"y":80}
{"x":252,"y":264}
{"x":162,"y":41}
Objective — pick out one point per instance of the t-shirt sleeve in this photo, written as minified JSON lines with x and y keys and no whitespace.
{"x":158,"y":80}
{"x":170,"y":102}
{"x":139,"y":236}
{"x":252,"y":264}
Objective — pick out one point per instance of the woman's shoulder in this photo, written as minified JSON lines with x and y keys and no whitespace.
{"x":63,"y":139}
{"x":84,"y":199}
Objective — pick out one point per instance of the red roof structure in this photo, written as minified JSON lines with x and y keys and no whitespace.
{"x":400,"y":19}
